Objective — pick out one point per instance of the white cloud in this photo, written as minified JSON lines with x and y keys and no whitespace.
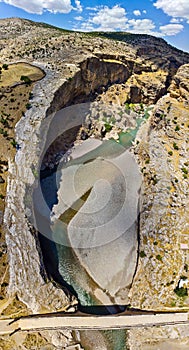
{"x":78,"y":18}
{"x":110,"y":19}
{"x":175,"y":20}
{"x":87,"y":27}
{"x":115,"y":18}
{"x":92,"y":8}
{"x":78,"y":6}
{"x":137,"y":12}
{"x":39,"y":6}
{"x":179,"y":8}
{"x":145,"y":26}
{"x":144,"y":11}
{"x":171,"y":29}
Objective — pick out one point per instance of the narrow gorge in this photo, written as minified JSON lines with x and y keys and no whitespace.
{"x":101,"y":106}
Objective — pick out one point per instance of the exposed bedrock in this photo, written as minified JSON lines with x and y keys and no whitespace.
{"x":93,"y":74}
{"x":134,"y":80}
{"x":27,"y":271}
{"x":163,"y":156}
{"x":103,"y":229}
{"x":150,"y":79}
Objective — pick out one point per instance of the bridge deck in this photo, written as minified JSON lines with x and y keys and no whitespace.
{"x":90,"y":322}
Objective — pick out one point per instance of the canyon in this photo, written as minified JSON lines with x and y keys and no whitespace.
{"x":135,"y":74}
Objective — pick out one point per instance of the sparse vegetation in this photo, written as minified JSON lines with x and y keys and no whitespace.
{"x":28,"y":105}
{"x":142,"y":254}
{"x":26,"y":79}
{"x":108,"y":127}
{"x":175,"y":146}
{"x":17,"y":71}
{"x":181,"y":292}
{"x":184,"y":170}
{"x":154,"y":179}
{"x":14,"y":143}
{"x":5,"y":66}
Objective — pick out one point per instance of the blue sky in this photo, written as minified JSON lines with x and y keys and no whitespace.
{"x":164,"y":18}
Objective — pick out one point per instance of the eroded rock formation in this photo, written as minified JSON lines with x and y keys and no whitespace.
{"x":77,"y":74}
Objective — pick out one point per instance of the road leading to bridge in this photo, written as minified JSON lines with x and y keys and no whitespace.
{"x":90,"y":322}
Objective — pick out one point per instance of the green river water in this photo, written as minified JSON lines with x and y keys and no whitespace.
{"x":75,"y":275}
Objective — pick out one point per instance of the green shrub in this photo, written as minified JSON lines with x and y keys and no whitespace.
{"x":5,"y":66}
{"x":14,"y":143}
{"x":5,"y":134}
{"x":175,"y":146}
{"x":184,"y":278}
{"x":26,"y":79}
{"x":169,"y":283}
{"x":177,"y":128}
{"x":112,"y":120}
{"x":108,"y":127}
{"x":181,"y":292}
{"x":4,"y":121}
{"x":184,"y":170}
{"x":170,"y":153}
{"x":159,"y":257}
{"x":154,"y":180}
{"x":28,"y":105}
{"x":142,"y":254}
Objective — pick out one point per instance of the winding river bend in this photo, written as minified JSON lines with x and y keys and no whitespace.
{"x":91,"y":246}
{"x":91,"y":203}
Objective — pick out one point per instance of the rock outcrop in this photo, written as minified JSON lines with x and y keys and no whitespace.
{"x":106,"y":222}
{"x":180,"y":85}
{"x":163,"y":157}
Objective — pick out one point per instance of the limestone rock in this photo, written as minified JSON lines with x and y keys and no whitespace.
{"x":180,"y":85}
{"x":106,"y":223}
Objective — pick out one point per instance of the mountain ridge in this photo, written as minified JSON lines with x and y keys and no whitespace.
{"x":114,"y":35}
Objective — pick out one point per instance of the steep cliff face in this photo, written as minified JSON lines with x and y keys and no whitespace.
{"x":93,"y":75}
{"x":28,"y":279}
{"x":144,"y":76}
{"x":180,"y":85}
{"x":144,"y":81}
{"x":163,"y":157}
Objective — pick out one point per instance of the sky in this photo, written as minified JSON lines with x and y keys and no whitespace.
{"x":168,"y":19}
